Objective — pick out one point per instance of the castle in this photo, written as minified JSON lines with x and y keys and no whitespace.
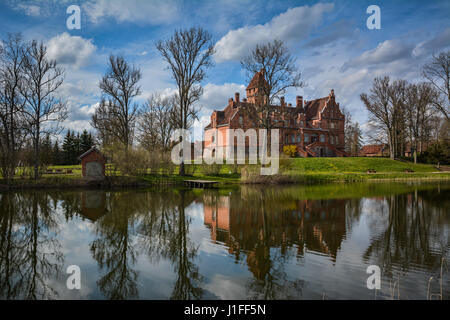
{"x":315,"y":127}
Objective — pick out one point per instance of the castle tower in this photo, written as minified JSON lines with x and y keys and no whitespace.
{"x":253,"y":90}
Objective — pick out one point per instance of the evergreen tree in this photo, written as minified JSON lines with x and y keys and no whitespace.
{"x":56,"y":154}
{"x":46,"y":151}
{"x":76,"y":148}
{"x":74,"y":145}
{"x":86,"y":141}
{"x":69,"y":148}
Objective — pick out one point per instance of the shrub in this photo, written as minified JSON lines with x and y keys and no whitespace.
{"x":155,"y":162}
{"x":167,"y":166}
{"x":286,"y":163}
{"x":190,"y":169}
{"x":133,"y":161}
{"x":235,"y":168}
{"x":290,"y":150}
{"x":438,"y":152}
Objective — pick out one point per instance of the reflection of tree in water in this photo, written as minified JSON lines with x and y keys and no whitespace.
{"x":414,"y":233}
{"x":270,"y":277}
{"x":166,"y":227}
{"x":29,"y":251}
{"x":157,"y":222}
{"x":114,"y":249}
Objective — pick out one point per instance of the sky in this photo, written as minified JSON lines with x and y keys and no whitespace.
{"x":333,"y":47}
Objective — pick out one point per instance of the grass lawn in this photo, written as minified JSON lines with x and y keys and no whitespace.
{"x":356,"y":165}
{"x":303,"y":170}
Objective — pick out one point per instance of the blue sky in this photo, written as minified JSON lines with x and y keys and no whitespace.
{"x":333,"y":46}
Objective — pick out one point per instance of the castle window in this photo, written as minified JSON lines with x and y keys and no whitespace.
{"x":212,"y":138}
{"x":293,"y":138}
{"x":241,"y":120}
{"x":332,"y":139}
{"x":332,"y":125}
{"x":322,"y":138}
{"x":337,"y":140}
{"x":299,"y":138}
{"x":306,"y":137}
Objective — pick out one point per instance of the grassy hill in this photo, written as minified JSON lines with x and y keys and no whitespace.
{"x":356,"y":165}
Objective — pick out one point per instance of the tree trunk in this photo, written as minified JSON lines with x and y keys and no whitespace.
{"x":181,"y":170}
{"x":391,"y":147}
{"x":36,"y":156}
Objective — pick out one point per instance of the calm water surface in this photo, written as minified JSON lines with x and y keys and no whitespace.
{"x":293,"y":242}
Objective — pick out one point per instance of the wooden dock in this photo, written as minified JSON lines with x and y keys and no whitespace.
{"x":200,"y":183}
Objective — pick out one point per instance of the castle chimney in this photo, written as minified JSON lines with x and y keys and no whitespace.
{"x":299,"y":102}
{"x":236,"y":97}
{"x":289,"y":104}
{"x":282,"y":101}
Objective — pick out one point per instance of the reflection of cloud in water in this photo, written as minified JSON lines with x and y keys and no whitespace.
{"x":227,"y":288}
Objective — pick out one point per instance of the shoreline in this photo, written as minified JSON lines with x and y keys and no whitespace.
{"x":119,"y":182}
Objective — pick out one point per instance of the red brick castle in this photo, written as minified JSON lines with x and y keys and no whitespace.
{"x":315,"y":127}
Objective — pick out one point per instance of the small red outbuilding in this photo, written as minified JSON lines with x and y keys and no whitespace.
{"x":93,"y":164}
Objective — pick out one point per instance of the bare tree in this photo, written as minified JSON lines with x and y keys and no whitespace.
{"x":419,"y":113}
{"x":437,"y":72}
{"x":156,"y":122}
{"x":115,"y":118}
{"x":397,"y":97}
{"x":385,"y":105}
{"x":12,"y":128}
{"x":188,"y":54}
{"x":277,"y":71}
{"x":43,"y":109}
{"x":353,"y":134}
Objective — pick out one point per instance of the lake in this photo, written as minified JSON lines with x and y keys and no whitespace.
{"x":247,"y":242}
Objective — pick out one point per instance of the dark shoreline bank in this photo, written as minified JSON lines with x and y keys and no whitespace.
{"x":121,"y":182}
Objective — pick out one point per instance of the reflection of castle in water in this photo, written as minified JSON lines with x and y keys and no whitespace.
{"x":309,"y":225}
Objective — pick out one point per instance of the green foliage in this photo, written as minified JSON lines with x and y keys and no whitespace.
{"x":139,"y":161}
{"x":290,"y":150}
{"x":132,"y":161}
{"x":438,"y":152}
{"x":212,"y":169}
{"x":75,"y":145}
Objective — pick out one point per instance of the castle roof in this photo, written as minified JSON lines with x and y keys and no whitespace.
{"x":314,"y":107}
{"x":257,"y":81}
{"x":372,"y":149}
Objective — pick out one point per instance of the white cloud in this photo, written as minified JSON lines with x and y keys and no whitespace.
{"x":145,"y":12}
{"x":215,"y":97}
{"x":437,"y":43}
{"x":291,"y":26}
{"x":29,"y":9}
{"x":70,"y":50}
{"x":385,"y":52}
